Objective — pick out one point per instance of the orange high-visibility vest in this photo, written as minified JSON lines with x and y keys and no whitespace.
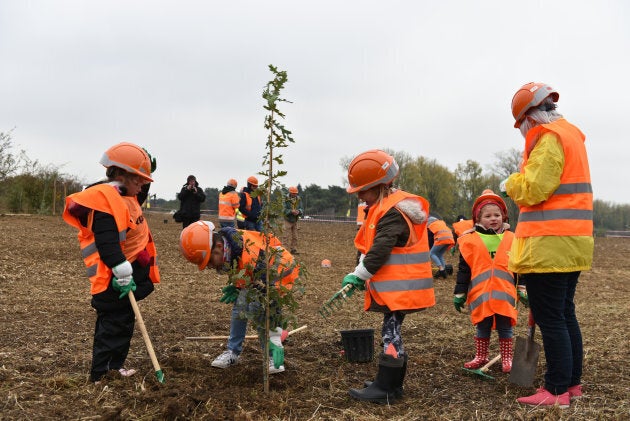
{"x":282,"y":262}
{"x":228,"y":203}
{"x":569,"y":210}
{"x":492,"y":290}
{"x":441,"y":233}
{"x":462,"y":226}
{"x":133,"y":232}
{"x":405,"y":281}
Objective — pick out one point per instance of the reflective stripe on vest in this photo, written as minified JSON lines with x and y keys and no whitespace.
{"x":569,"y":210}
{"x":405,"y":281}
{"x":491,"y":290}
{"x":441,"y":233}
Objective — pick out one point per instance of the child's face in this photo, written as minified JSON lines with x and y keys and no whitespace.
{"x":133,"y":183}
{"x":216,"y":257}
{"x":490,"y":217}
{"x":369,"y":196}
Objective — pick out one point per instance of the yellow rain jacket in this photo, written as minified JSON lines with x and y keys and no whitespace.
{"x":541,"y":174}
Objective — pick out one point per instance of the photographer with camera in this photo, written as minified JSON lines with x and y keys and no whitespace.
{"x":191,"y":196}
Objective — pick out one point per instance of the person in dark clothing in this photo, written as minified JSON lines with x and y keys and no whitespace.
{"x":251,"y":207}
{"x":191,"y":197}
{"x":116,"y":264}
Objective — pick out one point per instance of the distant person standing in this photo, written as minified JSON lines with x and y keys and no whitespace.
{"x":251,"y":206}
{"x":292,"y":212}
{"x":229,"y":201}
{"x":440,"y":240}
{"x":554,"y":236}
{"x":191,"y":197}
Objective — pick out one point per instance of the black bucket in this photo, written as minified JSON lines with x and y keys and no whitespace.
{"x":358,"y":345}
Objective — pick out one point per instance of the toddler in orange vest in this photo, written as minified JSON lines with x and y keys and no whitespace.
{"x":484,"y":282}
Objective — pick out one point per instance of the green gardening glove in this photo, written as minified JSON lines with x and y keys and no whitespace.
{"x":123,"y":285}
{"x":522,"y":296}
{"x":459,"y":301}
{"x":230,"y":294}
{"x":275,"y":347}
{"x":355,"y":281}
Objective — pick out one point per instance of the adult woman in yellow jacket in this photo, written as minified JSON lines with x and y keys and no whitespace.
{"x":554,"y":236}
{"x":394,"y":268}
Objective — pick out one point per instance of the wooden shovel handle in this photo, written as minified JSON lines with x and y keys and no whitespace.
{"x":143,"y":329}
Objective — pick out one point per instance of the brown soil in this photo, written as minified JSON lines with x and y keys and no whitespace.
{"x":47,"y":325}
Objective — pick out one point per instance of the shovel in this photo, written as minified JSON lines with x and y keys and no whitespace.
{"x":483,"y":371}
{"x":147,"y":341}
{"x":525,"y":360}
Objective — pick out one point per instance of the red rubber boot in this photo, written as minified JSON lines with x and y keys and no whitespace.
{"x":507,"y":353}
{"x":481,"y":356}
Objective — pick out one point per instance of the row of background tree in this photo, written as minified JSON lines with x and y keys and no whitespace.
{"x":27,"y":186}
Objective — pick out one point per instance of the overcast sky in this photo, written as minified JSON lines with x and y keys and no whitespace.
{"x":184,"y":79}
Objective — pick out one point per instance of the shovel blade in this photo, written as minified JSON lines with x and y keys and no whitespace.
{"x":525,"y":362}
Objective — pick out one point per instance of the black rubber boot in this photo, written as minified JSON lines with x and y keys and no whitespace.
{"x":381,"y":390}
{"x":399,"y":390}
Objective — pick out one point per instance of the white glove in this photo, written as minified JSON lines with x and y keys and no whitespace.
{"x":361,"y":272}
{"x":502,"y":188}
{"x":123,"y":270}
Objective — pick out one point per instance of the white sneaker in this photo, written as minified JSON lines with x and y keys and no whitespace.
{"x":273,"y":369}
{"x":226,"y":359}
{"x":127,"y":372}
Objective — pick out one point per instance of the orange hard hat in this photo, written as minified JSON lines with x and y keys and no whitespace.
{"x":326,"y":263}
{"x":488,"y":197}
{"x":195,"y":243}
{"x":370,"y":169}
{"x":129,"y":157}
{"x":253,"y":181}
{"x":530,"y":95}
{"x":293,"y":190}
{"x":232,"y":182}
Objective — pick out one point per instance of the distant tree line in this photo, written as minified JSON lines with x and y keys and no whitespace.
{"x":26,"y":186}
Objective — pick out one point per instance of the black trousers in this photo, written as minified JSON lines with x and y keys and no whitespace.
{"x":115,"y":321}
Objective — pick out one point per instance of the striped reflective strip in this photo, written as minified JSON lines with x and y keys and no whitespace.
{"x":496,"y":295}
{"x":556,"y":215}
{"x":224,"y":202}
{"x":88,"y":250}
{"x":408,"y":258}
{"x":484,"y":276}
{"x":402,"y":285}
{"x":574,"y":188}
{"x":91,"y":270}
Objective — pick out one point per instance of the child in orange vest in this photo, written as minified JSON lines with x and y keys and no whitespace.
{"x":484,"y":282}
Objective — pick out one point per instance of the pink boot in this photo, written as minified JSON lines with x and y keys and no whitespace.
{"x":481,"y":355}
{"x":543,"y":397}
{"x":507,"y":353}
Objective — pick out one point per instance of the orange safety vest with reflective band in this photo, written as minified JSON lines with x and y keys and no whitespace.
{"x":492,"y":290}
{"x":282,"y":262}
{"x":228,"y":203}
{"x":441,"y":233}
{"x":462,"y":226}
{"x":569,"y":210}
{"x":405,"y":281}
{"x":133,"y":232}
